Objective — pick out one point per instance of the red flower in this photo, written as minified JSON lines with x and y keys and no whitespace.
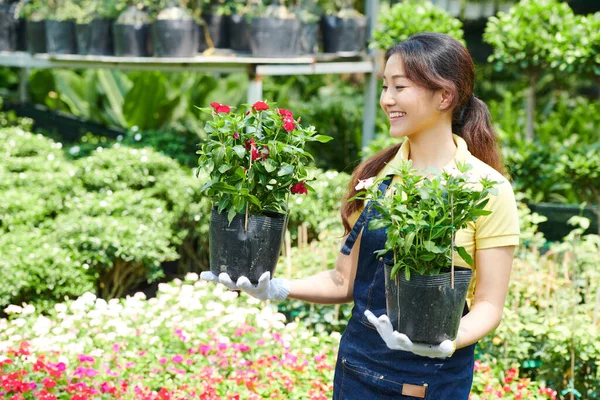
{"x":49,"y":383}
{"x":236,"y":135}
{"x":288,"y":124}
{"x":250,"y":143}
{"x":255,"y":153}
{"x":285,"y":113}
{"x":220,"y":108}
{"x":299,"y":188}
{"x":260,"y":106}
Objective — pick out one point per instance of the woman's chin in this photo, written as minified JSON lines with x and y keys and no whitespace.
{"x":398,"y":133}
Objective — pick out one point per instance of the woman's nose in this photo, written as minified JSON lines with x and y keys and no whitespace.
{"x":386,"y":98}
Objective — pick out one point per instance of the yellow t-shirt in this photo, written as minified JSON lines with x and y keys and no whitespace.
{"x":501,"y":228}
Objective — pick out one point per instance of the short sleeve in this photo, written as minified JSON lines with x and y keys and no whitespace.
{"x":501,"y":227}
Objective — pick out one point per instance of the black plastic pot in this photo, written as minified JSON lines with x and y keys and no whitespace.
{"x":344,"y":34}
{"x":8,"y":29}
{"x":274,"y":37}
{"x":101,"y":37}
{"x":132,"y":40}
{"x":82,"y":37}
{"x":21,"y":34}
{"x":307,"y":41}
{"x":239,"y":33}
{"x":248,"y":253}
{"x":175,"y":38}
{"x":60,"y":37}
{"x":36,"y":36}
{"x":426,"y":308}
{"x":217,"y":29}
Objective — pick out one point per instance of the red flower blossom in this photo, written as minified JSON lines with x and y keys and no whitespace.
{"x":299,"y":188}
{"x":236,"y":135}
{"x":220,"y":108}
{"x":288,"y":124}
{"x":250,"y":143}
{"x":255,"y":153}
{"x":260,"y":106}
{"x":285,"y":113}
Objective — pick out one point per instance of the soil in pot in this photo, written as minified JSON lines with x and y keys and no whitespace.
{"x":249,"y":253}
{"x":426,"y":308}
{"x":274,"y":37}
{"x":239,"y":33}
{"x":60,"y":37}
{"x":36,"y":36}
{"x":344,"y":34}
{"x":217,"y":29}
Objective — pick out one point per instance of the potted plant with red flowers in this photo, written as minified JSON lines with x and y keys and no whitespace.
{"x":255,"y":160}
{"x":425,"y":291}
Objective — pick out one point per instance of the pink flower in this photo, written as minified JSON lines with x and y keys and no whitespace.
{"x":236,"y":135}
{"x":365,"y":184}
{"x":177,"y":359}
{"x":163,"y":361}
{"x":299,"y":188}
{"x":116,"y":348}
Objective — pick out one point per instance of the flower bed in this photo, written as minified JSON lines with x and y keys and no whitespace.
{"x":194,"y":340}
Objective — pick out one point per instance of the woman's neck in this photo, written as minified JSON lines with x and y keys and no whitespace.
{"x":431,"y":150}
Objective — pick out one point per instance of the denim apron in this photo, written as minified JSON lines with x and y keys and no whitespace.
{"x":366,"y":368}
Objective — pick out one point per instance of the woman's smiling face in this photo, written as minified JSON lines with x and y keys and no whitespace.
{"x":410,"y":109}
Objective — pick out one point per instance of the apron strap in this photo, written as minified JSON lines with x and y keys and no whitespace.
{"x":360,"y":222}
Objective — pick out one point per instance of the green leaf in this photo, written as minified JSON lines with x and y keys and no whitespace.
{"x":323,"y":138}
{"x":465,"y":256}
{"x":270,"y":165}
{"x":224,"y":168}
{"x":239,"y":150}
{"x":218,"y":155}
{"x":285,"y":170}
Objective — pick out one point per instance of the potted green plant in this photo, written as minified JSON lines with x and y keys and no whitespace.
{"x":344,"y":28}
{"x":255,"y":160}
{"x":131,"y":32}
{"x":175,"y":32}
{"x":275,"y":32}
{"x":425,"y":292}
{"x":239,"y":27}
{"x":34,"y":13}
{"x":215,"y":14}
{"x":307,"y":13}
{"x":60,"y":27}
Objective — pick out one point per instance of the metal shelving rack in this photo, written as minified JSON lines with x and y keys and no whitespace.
{"x":223,"y":62}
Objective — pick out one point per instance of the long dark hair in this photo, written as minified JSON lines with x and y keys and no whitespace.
{"x":437,"y":61}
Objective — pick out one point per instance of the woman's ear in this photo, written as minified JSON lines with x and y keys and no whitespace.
{"x":445,"y":99}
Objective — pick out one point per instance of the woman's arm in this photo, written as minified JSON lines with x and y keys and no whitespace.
{"x":329,"y":287}
{"x":493,"y":273}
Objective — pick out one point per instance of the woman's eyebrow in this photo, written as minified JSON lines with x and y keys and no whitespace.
{"x":395,"y":76}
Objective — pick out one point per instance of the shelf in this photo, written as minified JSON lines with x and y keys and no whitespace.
{"x":218,"y":62}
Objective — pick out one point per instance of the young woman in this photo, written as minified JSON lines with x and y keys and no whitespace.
{"x":427,"y":94}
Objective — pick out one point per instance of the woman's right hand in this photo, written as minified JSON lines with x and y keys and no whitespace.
{"x":276,"y":289}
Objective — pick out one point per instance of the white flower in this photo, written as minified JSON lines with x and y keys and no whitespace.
{"x":365,"y":183}
{"x":13,"y":309}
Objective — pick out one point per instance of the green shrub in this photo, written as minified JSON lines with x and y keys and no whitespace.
{"x":411,"y":16}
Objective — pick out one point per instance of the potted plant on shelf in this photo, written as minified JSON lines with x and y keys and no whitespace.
{"x":255,"y":160}
{"x":306,"y":12}
{"x":425,"y":292}
{"x":344,"y":28}
{"x":35,"y":13}
{"x":175,"y":32}
{"x":60,"y":27}
{"x":239,"y":27}
{"x":275,"y":32}
{"x":215,"y":15}
{"x":131,"y":32}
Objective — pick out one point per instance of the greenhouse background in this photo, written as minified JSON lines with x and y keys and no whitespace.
{"x":104,"y":229}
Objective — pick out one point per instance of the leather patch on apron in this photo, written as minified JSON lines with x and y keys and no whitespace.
{"x":414,"y":390}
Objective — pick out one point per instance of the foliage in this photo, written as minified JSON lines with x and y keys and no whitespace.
{"x":422,"y":214}
{"x":192,"y":340}
{"x":583,"y":47}
{"x":531,"y":35}
{"x":255,"y":159}
{"x":412,"y":16}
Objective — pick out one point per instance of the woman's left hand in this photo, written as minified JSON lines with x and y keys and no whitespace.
{"x":399,"y":341}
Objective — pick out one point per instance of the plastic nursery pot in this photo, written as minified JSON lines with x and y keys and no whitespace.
{"x":175,"y":38}
{"x":307,"y":40}
{"x":217,"y":29}
{"x":36,"y":36}
{"x":245,"y":253}
{"x":344,"y":34}
{"x":82,"y":37}
{"x":60,"y":37}
{"x":274,"y":37}
{"x":131,"y":40}
{"x":239,"y":33}
{"x":426,"y":308}
{"x":8,"y":32}
{"x":101,"y":37}
{"x":21,"y":35}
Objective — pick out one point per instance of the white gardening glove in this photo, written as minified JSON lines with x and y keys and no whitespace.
{"x":276,"y":289}
{"x":399,"y":341}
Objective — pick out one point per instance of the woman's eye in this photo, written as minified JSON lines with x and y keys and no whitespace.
{"x":384,"y":87}
{"x":400,"y":87}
